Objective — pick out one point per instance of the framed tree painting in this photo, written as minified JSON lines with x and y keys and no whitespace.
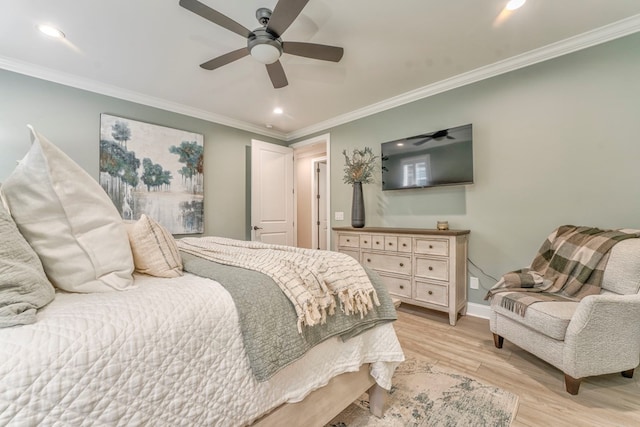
{"x":153,"y":170}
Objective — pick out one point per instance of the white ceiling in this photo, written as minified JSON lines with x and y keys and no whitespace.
{"x":149,"y":51}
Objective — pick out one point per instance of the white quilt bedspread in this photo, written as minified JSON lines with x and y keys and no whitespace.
{"x":166,"y":353}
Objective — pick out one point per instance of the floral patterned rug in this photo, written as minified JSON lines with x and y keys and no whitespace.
{"x":427,"y":395}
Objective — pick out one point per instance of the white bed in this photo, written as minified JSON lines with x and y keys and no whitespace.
{"x":161,"y":348}
{"x":165,"y":353}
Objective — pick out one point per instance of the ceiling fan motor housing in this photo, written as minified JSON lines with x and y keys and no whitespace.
{"x":264,"y":46}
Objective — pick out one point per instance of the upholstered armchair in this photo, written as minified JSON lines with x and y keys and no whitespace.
{"x":598,"y":335}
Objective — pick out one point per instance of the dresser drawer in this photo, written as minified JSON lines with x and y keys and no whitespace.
{"x":397,"y":285}
{"x":377,"y":242}
{"x":349,"y":240}
{"x":431,"y":268}
{"x":386,"y":262}
{"x":439,"y":247}
{"x":404,"y":244}
{"x":432,"y":293}
{"x":365,"y":241}
{"x":390,"y":243}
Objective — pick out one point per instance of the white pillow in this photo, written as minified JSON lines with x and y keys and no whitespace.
{"x":69,"y":221}
{"x":154,"y":249}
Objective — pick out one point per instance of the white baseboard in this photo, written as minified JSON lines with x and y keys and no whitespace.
{"x":478,"y":310}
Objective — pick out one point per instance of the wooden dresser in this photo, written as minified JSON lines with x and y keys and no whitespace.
{"x":422,"y":267}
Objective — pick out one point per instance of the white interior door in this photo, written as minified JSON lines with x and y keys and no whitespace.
{"x":271,"y":193}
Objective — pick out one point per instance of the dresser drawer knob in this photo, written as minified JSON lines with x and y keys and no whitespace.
{"x":401,"y":265}
{"x":430,"y":268}
{"x":365,"y":242}
{"x":377,"y":243}
{"x":404,"y":245}
{"x":430,"y":246}
{"x":390,"y":244}
{"x":430,"y":292}
{"x":401,"y":286}
{"x":348,"y":240}
{"x":368,"y":259}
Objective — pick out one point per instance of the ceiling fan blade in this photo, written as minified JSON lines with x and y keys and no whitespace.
{"x":225,"y":59}
{"x":277,"y":75}
{"x":312,"y":50}
{"x":216,"y":17}
{"x":285,"y":12}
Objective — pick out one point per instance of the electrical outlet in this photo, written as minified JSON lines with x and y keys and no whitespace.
{"x":339,"y":216}
{"x":474,"y":283}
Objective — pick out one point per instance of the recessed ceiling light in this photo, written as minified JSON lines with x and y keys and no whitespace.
{"x":515,"y":4}
{"x":51,"y":31}
{"x":277,"y":110}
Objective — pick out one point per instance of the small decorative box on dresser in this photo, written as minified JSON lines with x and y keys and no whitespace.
{"x":422,"y":267}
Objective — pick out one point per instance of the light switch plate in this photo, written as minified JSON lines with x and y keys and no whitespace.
{"x":474,"y":283}
{"x":339,"y":216}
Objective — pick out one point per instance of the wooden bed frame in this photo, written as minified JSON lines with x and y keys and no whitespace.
{"x":321,"y":405}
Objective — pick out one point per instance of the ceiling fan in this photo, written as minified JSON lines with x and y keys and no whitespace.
{"x":438,"y":135}
{"x":264,"y":44}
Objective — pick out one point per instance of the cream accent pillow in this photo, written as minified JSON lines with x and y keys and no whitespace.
{"x":154,"y":250}
{"x":69,"y":221}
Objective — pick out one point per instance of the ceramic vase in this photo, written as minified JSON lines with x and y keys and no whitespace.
{"x":357,"y":206}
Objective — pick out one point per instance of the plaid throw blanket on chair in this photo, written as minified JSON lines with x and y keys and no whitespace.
{"x":569,"y":266}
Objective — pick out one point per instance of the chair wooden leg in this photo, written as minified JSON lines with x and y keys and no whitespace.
{"x":627,"y":374}
{"x":572,"y":384}
{"x":498,"y":340}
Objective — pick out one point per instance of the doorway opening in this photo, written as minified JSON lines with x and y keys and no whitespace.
{"x":312,"y":193}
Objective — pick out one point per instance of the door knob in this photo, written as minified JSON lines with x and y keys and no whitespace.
{"x":255,"y":227}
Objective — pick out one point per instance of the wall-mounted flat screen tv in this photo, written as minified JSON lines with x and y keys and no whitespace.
{"x":443,"y":157}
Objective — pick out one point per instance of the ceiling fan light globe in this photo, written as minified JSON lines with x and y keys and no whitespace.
{"x":265,"y":53}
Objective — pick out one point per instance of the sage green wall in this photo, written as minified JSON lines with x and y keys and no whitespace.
{"x":554,"y":143}
{"x":70,"y":118}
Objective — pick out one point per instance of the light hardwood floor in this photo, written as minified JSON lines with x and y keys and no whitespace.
{"x":608,"y":400}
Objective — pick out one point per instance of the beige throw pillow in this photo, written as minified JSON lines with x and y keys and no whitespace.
{"x":69,"y":221}
{"x":154,"y":249}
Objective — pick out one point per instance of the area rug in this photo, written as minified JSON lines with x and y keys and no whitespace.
{"x":427,"y":395}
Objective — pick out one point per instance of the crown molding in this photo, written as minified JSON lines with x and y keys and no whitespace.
{"x":77,"y":82}
{"x":600,"y":35}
